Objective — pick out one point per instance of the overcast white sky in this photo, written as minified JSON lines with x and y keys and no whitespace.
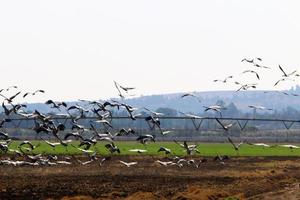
{"x":75,"y":49}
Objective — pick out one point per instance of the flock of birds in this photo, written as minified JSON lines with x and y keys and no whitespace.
{"x":45,"y":123}
{"x":285,"y":76}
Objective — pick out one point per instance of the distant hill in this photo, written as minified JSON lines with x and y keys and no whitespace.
{"x":269,"y":99}
{"x":242,"y":100}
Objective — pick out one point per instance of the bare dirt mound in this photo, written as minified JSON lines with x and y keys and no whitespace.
{"x":238,"y":178}
{"x":197,"y":193}
{"x":291,"y":193}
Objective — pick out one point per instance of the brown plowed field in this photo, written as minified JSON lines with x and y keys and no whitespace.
{"x":243,"y":178}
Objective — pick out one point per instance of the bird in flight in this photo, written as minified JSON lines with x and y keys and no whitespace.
{"x":33,"y":93}
{"x":259,"y":144}
{"x":153,"y":112}
{"x":223,"y":81}
{"x":225,"y":127}
{"x":247,"y":86}
{"x":126,"y":89}
{"x":191,"y":115}
{"x":235,"y":146}
{"x":128,"y":164}
{"x":10,"y":87}
{"x":215,"y":108}
{"x":56,"y":105}
{"x":10,"y":99}
{"x":259,"y":107}
{"x":190,"y":95}
{"x":138,"y":150}
{"x":284,"y":73}
{"x":145,"y":138}
{"x":248,"y":60}
{"x":261,"y":66}
{"x":164,"y":149}
{"x":283,"y":79}
{"x":251,"y":71}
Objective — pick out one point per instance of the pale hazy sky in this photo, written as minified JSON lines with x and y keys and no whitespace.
{"x":75,"y":49}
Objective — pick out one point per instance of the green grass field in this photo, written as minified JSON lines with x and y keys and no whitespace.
{"x":206,"y":149}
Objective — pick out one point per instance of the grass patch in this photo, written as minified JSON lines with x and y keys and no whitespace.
{"x":206,"y":149}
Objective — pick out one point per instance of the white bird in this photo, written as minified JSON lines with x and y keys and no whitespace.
{"x":138,"y":150}
{"x":259,"y":144}
{"x":83,"y":150}
{"x":216,"y":108}
{"x":226,"y":127}
{"x":166,"y":132}
{"x":235,"y":146}
{"x":63,"y":162}
{"x":190,"y":149}
{"x":128,"y":164}
{"x":52,"y":144}
{"x":289,"y":146}
{"x":191,"y":95}
{"x":259,"y":107}
{"x":191,"y":115}
{"x":153,"y":112}
{"x":168,"y":163}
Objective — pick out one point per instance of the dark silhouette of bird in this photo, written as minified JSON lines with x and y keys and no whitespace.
{"x":164,"y":149}
{"x":27,"y":143}
{"x":123,"y":132}
{"x":112,"y":148}
{"x":33,"y":93}
{"x":247,"y":86}
{"x":235,"y":146}
{"x":10,"y":99}
{"x":76,"y":135}
{"x":283,"y":79}
{"x":8,"y":88}
{"x":261,"y":66}
{"x":126,"y":89}
{"x":190,"y":95}
{"x":4,"y":136}
{"x":226,"y":127}
{"x":248,"y":60}
{"x":215,"y":108}
{"x":3,"y":121}
{"x":56,"y":105}
{"x":6,"y":110}
{"x":251,"y":71}
{"x":120,"y":93}
{"x":284,"y":73}
{"x":223,"y":81}
{"x":190,"y":149}
{"x":144,"y":139}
